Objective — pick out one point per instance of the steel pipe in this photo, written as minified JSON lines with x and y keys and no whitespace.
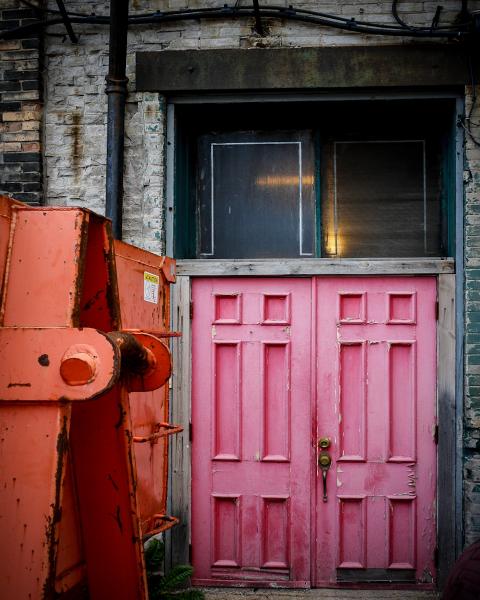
{"x":116,"y":90}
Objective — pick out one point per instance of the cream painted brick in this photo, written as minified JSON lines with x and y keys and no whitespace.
{"x":10,"y":147}
{"x":31,"y":125}
{"x":22,"y":116}
{"x":25,"y":136}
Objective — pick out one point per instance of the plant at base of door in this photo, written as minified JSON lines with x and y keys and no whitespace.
{"x":162,"y":586}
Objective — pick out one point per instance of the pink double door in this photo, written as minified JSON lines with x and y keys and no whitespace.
{"x":313,"y":420}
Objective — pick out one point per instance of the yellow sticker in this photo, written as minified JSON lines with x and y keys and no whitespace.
{"x":150,"y":287}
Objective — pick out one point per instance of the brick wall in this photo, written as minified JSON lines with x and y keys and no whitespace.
{"x":20,"y":109}
{"x":75,"y":136}
{"x":75,"y":112}
{"x":472,"y":326}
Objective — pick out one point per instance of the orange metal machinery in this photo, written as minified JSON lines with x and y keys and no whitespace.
{"x":83,"y":405}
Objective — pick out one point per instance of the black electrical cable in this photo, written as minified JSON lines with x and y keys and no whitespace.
{"x":241,"y":12}
{"x":413,"y":28}
{"x":145,"y":17}
{"x":397,"y":18}
{"x":52,"y":11}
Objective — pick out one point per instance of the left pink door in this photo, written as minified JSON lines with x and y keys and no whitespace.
{"x":251,"y":447}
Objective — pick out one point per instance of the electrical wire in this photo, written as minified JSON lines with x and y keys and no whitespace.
{"x":290,"y":10}
{"x":279,"y":12}
{"x":52,"y":11}
{"x":434,"y":24}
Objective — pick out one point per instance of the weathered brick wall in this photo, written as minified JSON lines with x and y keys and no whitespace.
{"x":75,"y":138}
{"x":20,"y":108}
{"x":75,"y":116}
{"x":472,"y":324}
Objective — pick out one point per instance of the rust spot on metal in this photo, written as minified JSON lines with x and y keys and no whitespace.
{"x":121,"y":417}
{"x":112,"y":481}
{"x":132,"y":468}
{"x":49,"y":592}
{"x":88,"y":305}
{"x":118,"y":518}
{"x":81,"y":252}
{"x":44,"y":360}
{"x":112,"y":295}
{"x":8,"y":260}
{"x":134,"y":356}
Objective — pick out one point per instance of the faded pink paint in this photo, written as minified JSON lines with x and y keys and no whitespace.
{"x":279,"y":363}
{"x":251,"y":431}
{"x":376,"y":382}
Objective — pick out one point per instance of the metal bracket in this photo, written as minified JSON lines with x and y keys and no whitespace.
{"x":146,"y":360}
{"x":161,"y":523}
{"x":57,"y":363}
{"x":161,"y":430}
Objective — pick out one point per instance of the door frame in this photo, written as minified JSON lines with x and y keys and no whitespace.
{"x":450,"y":326}
{"x":180,"y":465}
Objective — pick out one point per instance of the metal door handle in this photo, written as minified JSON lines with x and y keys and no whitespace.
{"x":324,"y":462}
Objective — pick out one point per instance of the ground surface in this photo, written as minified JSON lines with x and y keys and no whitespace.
{"x":238,"y":594}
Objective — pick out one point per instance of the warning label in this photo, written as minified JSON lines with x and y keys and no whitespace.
{"x":150,"y":287}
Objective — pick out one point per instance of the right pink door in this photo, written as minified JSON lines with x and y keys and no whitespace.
{"x":376,"y":390}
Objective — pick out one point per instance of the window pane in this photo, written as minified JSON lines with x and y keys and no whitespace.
{"x":384,"y":200}
{"x":256,"y":196}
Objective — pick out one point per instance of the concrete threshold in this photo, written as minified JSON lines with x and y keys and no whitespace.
{"x":323,"y":594}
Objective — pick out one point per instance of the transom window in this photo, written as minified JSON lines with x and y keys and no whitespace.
{"x":256,"y":195}
{"x":381,"y":201}
{"x":374,"y":183}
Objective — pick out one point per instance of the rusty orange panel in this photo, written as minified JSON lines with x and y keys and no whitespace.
{"x":45,"y":258}
{"x":146,"y":305}
{"x":33,"y":444}
{"x":70,"y":565}
{"x":104,"y":473}
{"x":83,"y":462}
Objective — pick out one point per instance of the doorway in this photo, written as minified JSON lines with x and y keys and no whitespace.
{"x":408,"y":233}
{"x":313,"y":421}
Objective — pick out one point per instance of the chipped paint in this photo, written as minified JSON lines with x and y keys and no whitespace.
{"x":53,"y":520}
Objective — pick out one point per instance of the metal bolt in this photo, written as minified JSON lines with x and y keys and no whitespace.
{"x":78,"y":366}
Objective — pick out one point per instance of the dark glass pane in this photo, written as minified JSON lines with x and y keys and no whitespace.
{"x":384,"y":200}
{"x":256,"y":196}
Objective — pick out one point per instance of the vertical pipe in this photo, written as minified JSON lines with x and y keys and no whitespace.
{"x":258,"y":20}
{"x":116,"y":89}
